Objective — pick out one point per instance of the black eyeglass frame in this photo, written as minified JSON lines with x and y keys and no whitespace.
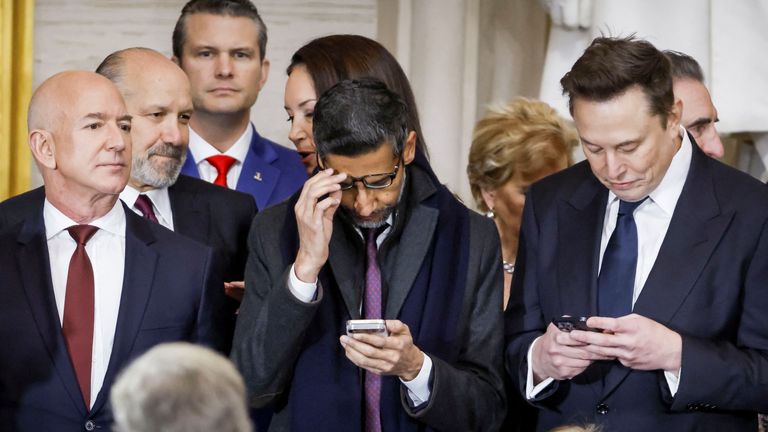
{"x":350,"y":181}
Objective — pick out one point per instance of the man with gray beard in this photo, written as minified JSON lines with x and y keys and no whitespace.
{"x":157,"y":95}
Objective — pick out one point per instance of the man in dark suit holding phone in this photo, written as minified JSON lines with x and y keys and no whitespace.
{"x":373,"y":236}
{"x":664,"y":248}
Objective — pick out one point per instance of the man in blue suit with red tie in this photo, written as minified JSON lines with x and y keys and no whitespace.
{"x":221,"y":47}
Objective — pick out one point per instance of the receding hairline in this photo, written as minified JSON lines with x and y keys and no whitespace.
{"x":47,"y":104}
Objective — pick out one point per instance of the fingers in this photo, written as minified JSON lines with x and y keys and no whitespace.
{"x":235,"y":290}
{"x":369,"y":356}
{"x":397,"y":327}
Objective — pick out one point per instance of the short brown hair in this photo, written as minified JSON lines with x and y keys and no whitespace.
{"x":523,"y":137}
{"x":611,"y":66}
{"x":230,"y":8}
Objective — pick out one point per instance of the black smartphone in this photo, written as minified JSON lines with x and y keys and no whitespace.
{"x":567,"y":323}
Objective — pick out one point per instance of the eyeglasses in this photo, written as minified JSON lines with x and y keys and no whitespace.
{"x":370,"y":181}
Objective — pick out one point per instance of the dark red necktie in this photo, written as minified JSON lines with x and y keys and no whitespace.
{"x":372,"y":310}
{"x":78,"y":309}
{"x":144,"y":204}
{"x":222,"y":163}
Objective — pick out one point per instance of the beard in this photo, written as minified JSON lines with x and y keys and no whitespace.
{"x":159,"y":175}
{"x":375,"y":220}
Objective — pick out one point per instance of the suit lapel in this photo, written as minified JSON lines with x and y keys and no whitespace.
{"x":580,"y":222}
{"x":258,"y":177}
{"x":408,"y":256}
{"x":140,"y":263}
{"x":346,"y":262}
{"x":694,"y":231}
{"x":696,"y":228}
{"x":34,"y":266}
{"x":581,"y":219}
{"x":191,"y":216}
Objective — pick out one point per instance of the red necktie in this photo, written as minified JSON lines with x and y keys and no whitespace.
{"x":78,"y":309}
{"x":144,"y":205}
{"x":372,"y":310}
{"x":222,"y":163}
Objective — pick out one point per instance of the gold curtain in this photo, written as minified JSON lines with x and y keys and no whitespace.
{"x":16,"y":31}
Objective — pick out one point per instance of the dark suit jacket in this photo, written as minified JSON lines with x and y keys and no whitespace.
{"x":273,"y":325}
{"x":215,"y":216}
{"x":708,"y":284}
{"x":210,"y":214}
{"x":170,"y":293}
{"x":271,"y":172}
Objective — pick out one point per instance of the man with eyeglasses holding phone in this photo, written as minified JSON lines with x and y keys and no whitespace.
{"x":372,"y":236}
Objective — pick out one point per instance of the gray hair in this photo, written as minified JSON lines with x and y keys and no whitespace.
{"x":684,"y":66}
{"x":180,"y":387}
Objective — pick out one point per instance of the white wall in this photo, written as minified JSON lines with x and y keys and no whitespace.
{"x":78,"y":34}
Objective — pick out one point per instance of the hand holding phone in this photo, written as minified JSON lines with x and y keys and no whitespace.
{"x":568,"y":323}
{"x":376,"y":327}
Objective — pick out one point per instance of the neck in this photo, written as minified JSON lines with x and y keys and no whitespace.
{"x":220,"y":130}
{"x":80,"y":209}
{"x":509,"y":238}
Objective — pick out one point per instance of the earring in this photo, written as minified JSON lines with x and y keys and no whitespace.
{"x":490,"y":214}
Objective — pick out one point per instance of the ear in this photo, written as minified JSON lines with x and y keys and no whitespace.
{"x":43,"y":148}
{"x":409,"y":149}
{"x":675,"y":117}
{"x":489,"y":196}
{"x":264,"y":73}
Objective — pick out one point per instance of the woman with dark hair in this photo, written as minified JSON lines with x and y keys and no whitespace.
{"x":325,"y":61}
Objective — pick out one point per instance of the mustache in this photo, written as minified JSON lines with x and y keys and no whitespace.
{"x":167,"y":150}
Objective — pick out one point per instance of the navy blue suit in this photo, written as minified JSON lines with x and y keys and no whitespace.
{"x":171,"y":292}
{"x":708,"y":284}
{"x":270,"y":172}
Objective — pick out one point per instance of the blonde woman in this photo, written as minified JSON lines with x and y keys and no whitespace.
{"x":512,"y":147}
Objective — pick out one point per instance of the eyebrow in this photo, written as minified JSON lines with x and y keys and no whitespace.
{"x":96,"y":115}
{"x":700,"y":122}
{"x":126,"y":117}
{"x":623,"y":143}
{"x":302,"y":103}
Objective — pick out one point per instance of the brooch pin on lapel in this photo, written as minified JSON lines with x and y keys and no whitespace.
{"x":257,"y":176}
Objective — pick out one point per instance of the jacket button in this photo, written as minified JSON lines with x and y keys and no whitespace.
{"x":90,"y":425}
{"x":602,"y":409}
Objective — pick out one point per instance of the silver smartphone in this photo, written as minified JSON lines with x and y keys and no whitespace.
{"x":368,"y":326}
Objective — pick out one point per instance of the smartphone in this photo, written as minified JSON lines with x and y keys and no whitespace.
{"x":567,"y":323}
{"x":369,"y":326}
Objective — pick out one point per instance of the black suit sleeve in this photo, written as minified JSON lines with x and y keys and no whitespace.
{"x":733,"y":376}
{"x":524,"y":319}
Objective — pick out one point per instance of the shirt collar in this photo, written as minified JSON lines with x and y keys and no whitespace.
{"x":669,"y":189}
{"x":201,"y":149}
{"x":56,"y":221}
{"x":160,"y":199}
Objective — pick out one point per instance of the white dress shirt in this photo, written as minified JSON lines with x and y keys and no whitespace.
{"x":418,"y":388}
{"x":200,"y":150}
{"x":161,"y":203}
{"x":106,"y":250}
{"x":652,"y":219}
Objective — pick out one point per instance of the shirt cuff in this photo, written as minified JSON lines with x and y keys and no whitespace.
{"x":673,"y":381}
{"x":530,"y":390}
{"x":418,"y":388}
{"x":301,"y":290}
